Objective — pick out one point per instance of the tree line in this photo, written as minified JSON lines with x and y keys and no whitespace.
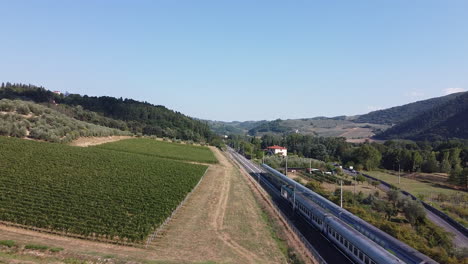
{"x":450,"y":156}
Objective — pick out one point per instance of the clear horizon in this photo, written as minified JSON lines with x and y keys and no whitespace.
{"x":241,"y":61}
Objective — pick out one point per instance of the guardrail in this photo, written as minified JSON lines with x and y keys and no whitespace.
{"x":447,"y":218}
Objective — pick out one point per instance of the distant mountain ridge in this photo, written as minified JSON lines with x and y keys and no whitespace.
{"x":443,"y":121}
{"x":233,"y":127}
{"x":398,"y":114}
{"x":436,"y":118}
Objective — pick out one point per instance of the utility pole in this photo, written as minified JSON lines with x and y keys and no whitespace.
{"x":398,"y":172}
{"x":294,"y":197}
{"x":286,"y":171}
{"x":341,"y":194}
{"x":354,"y":194}
{"x":310,"y":165}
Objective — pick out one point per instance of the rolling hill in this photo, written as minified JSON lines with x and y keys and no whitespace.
{"x":399,"y":114}
{"x":234,"y":127}
{"x":444,"y":121}
{"x":436,"y":118}
{"x":127,"y":114}
{"x":320,"y":126}
{"x":34,"y":121}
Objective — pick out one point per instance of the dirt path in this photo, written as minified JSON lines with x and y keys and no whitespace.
{"x":220,"y":222}
{"x":91,"y":141}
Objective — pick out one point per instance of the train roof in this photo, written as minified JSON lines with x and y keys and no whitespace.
{"x":405,"y":249}
{"x":369,"y":247}
{"x":309,"y":204}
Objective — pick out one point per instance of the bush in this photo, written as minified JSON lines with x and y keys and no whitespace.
{"x":7,"y":243}
{"x":18,"y":131}
{"x":6,"y":105}
{"x":22,"y":109}
{"x":36,"y":247}
{"x":36,"y":109}
{"x":56,"y":249}
{"x":5,"y":128}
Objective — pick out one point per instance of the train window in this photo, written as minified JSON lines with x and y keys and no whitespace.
{"x":355,"y":251}
{"x":366,"y":259}
{"x":361,"y":256}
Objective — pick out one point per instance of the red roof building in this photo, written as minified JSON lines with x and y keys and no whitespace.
{"x":278,"y":150}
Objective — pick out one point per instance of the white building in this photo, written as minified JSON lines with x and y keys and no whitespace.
{"x":278,"y":150}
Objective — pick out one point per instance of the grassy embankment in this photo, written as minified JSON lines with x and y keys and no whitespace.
{"x":451,"y":201}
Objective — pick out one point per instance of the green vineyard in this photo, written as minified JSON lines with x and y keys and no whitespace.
{"x":163,"y":149}
{"x":91,"y":192}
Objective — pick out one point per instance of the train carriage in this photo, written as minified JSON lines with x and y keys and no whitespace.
{"x":291,"y":190}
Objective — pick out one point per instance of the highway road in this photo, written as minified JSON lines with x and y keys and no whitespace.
{"x":322,"y":245}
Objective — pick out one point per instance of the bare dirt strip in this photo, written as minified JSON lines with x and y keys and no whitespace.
{"x":221,"y":222}
{"x":92,"y":141}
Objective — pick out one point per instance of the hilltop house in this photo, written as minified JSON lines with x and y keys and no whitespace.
{"x":278,"y":150}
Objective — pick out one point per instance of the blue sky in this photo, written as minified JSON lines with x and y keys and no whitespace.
{"x":240,"y":60}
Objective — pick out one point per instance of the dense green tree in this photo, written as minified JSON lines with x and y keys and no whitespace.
{"x":414,"y":211}
{"x":431,"y":164}
{"x":445,"y":165}
{"x":368,"y":156}
{"x":416,"y":161}
{"x":463,"y":178}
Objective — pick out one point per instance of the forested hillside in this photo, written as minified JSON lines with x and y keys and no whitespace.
{"x":127,"y":114}
{"x":449,"y":120}
{"x":402,"y":113}
{"x":234,"y":127}
{"x":274,"y":126}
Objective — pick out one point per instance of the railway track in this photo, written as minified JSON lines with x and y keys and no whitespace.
{"x":327,"y":251}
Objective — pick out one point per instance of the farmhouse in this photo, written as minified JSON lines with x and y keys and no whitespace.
{"x":278,"y":150}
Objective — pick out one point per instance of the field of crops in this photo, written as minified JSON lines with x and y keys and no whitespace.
{"x":162,"y":149}
{"x":90,"y":191}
